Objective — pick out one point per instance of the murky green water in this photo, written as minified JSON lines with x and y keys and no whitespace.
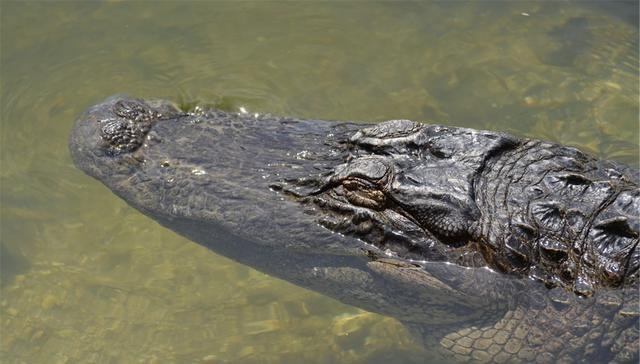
{"x":86,"y":279}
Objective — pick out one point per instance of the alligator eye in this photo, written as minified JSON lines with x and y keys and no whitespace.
{"x":363,"y":193}
{"x":362,"y":181}
{"x":357,"y":184}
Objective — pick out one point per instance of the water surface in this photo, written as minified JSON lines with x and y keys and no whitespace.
{"x":87,"y":279}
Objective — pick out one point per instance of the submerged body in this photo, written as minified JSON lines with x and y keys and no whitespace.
{"x":488,"y":246}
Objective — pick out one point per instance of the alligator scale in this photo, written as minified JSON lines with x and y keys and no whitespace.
{"x":490,"y":247}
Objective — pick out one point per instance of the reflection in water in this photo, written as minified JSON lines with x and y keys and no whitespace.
{"x":104,"y":284}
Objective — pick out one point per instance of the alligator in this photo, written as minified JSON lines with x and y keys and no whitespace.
{"x":487,"y":246}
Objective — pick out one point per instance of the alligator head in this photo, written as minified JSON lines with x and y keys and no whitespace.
{"x":419,"y":222}
{"x":397,"y":190}
{"x":293,"y":198}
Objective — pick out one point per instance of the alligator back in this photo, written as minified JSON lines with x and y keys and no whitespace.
{"x":561,"y":216}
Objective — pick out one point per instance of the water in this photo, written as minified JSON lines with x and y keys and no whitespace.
{"x":87,"y":279}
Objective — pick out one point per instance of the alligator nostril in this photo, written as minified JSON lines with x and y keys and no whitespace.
{"x":126,"y":129}
{"x":122,"y":135}
{"x":112,"y":128}
{"x":133,"y":110}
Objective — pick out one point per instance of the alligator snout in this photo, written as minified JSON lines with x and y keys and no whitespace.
{"x":117,"y":126}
